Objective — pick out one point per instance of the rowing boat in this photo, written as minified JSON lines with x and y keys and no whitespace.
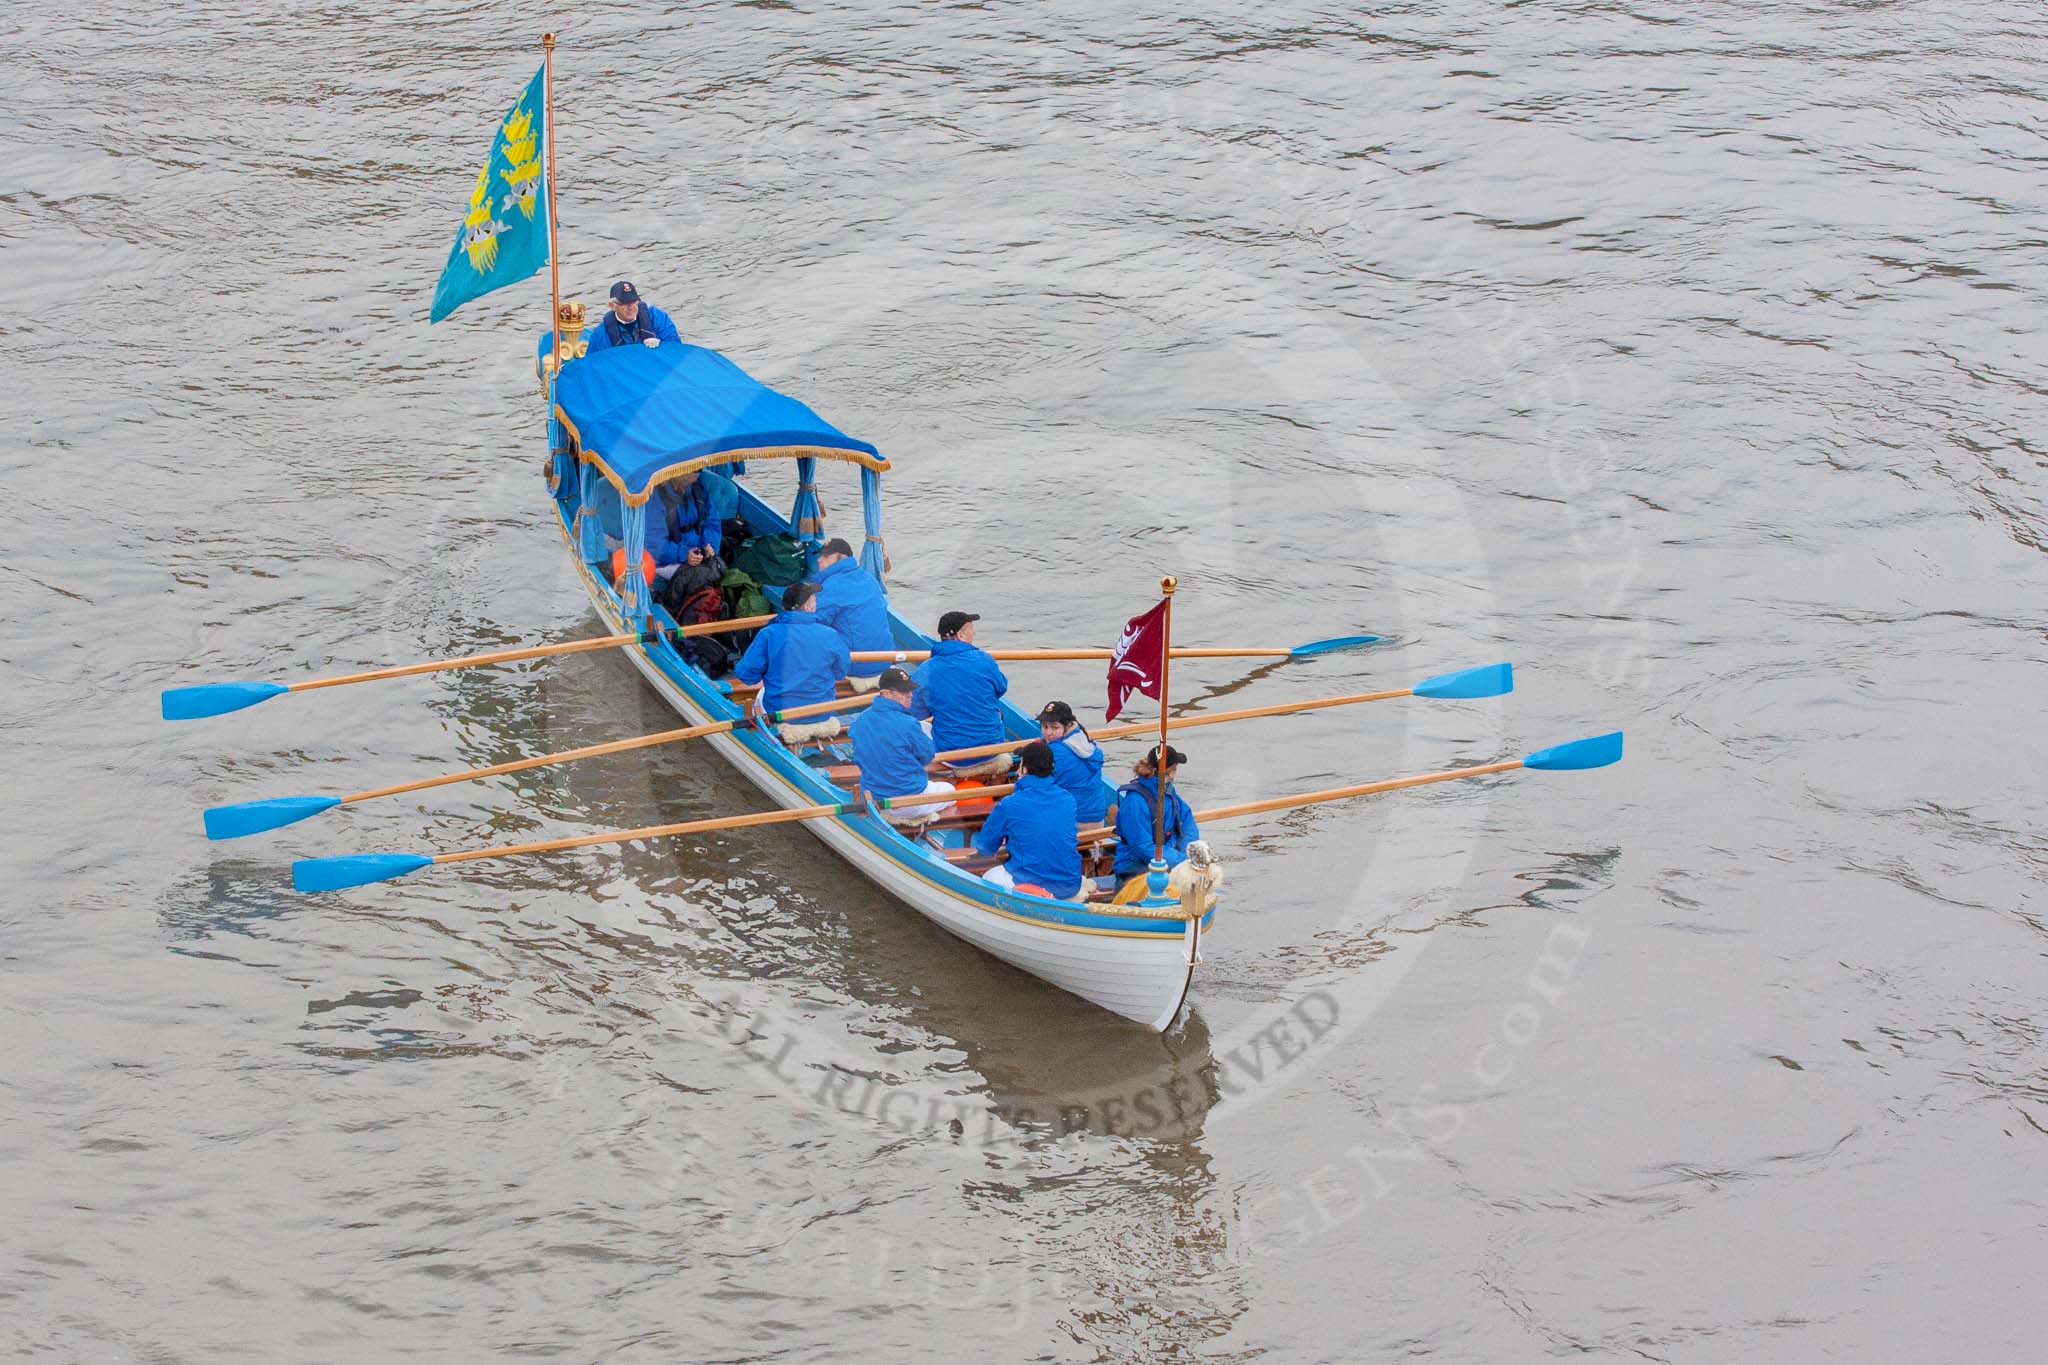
{"x":623,"y":420}
{"x":635,"y":418}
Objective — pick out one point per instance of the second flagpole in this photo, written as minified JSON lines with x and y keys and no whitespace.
{"x":1155,"y":877}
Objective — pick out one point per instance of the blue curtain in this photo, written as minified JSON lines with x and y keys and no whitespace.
{"x":633,"y":592}
{"x":807,"y":518}
{"x":873,"y":555}
{"x":562,"y":465}
{"x":589,"y":530}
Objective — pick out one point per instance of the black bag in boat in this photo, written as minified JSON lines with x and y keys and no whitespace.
{"x":693,"y":597}
{"x":687,"y":581}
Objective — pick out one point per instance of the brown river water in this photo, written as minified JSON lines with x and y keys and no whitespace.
{"x":1686,"y":354}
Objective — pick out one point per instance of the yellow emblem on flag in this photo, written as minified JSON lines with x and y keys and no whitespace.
{"x":522,"y":149}
{"x":480,"y":229}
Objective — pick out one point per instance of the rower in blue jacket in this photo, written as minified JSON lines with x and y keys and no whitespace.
{"x":961,"y":688}
{"x":1077,"y":762}
{"x":798,"y":660}
{"x":893,"y":752}
{"x":1137,"y":812}
{"x":852,"y":603}
{"x":631,"y":323}
{"x":1036,"y":822}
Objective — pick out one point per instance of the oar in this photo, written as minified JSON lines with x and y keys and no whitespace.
{"x":1017,"y":655}
{"x":252,"y":817}
{"x":1597,"y":752}
{"x":360,"y":869}
{"x":215,"y":699}
{"x":1488,"y":680}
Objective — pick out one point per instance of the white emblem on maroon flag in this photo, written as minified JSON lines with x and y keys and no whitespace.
{"x":1138,"y":659}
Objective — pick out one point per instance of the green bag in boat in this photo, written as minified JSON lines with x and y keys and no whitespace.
{"x":743,"y":596}
{"x":777,"y":560}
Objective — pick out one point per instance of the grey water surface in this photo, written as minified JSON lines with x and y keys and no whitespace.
{"x":1685,"y":353}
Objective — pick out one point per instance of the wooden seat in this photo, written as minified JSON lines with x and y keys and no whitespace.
{"x":743,"y":692}
{"x":967,"y":860}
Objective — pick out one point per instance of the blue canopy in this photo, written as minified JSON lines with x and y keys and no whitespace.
{"x":639,"y":410}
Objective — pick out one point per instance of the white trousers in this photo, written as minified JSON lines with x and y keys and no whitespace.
{"x":999,"y":876}
{"x":994,"y":766}
{"x":925,"y":814}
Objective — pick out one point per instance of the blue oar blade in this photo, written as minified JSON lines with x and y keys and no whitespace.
{"x":1325,"y":646}
{"x":353,"y":869}
{"x":1596,"y":752}
{"x":1488,"y":680}
{"x":253,"y":817}
{"x":216,"y":699}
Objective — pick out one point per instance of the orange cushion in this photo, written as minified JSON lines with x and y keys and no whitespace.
{"x":619,"y":567}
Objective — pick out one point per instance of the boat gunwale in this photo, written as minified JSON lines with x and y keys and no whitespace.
{"x":813,"y":788}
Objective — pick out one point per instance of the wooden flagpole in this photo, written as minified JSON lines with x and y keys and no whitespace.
{"x":547,"y":47}
{"x":1166,"y":587}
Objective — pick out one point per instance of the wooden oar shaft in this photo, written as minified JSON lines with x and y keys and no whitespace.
{"x":1101,"y":832}
{"x":873,"y":656}
{"x":503,"y":656}
{"x":766,"y":817}
{"x":1391,"y":784}
{"x":617,"y":746}
{"x":1254,"y":712}
{"x":507,"y":656}
{"x":1145,"y":727}
{"x":511,"y":656}
{"x":627,"y":836}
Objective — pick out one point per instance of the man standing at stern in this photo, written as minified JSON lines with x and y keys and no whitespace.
{"x":632,"y":323}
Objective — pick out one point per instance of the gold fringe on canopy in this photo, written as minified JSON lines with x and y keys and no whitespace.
{"x":703,"y":462}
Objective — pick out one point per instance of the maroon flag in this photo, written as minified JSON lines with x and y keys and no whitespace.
{"x":1139,"y":658}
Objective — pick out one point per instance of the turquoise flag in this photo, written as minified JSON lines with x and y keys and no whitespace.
{"x":504,"y":236}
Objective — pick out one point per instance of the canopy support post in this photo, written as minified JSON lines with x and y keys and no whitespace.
{"x":589,"y":526}
{"x":807,"y":517}
{"x":874,"y":555}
